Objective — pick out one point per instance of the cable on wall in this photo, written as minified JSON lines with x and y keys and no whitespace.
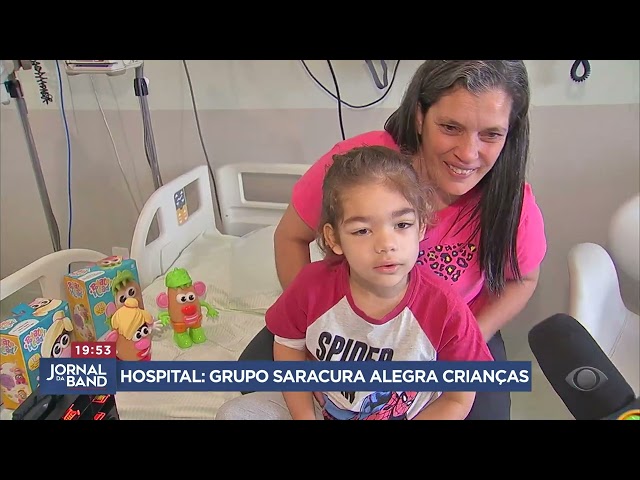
{"x":585,"y":73}
{"x":335,"y":82}
{"x":204,"y":148}
{"x":138,"y":185}
{"x":41,"y":80}
{"x":69,"y":156}
{"x":344,"y":102}
{"x":68,"y":138}
{"x":73,"y":107}
{"x":141,"y":90}
{"x":380,"y":84}
{"x":113,"y":143}
{"x":336,"y":96}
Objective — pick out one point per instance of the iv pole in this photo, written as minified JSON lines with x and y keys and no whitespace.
{"x":13,"y":87}
{"x":15,"y":91}
{"x":141,"y":90}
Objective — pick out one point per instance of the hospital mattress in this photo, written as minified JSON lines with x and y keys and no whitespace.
{"x":241,"y":281}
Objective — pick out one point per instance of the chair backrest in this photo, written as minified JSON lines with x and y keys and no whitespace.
{"x":624,"y":238}
{"x":594,"y":294}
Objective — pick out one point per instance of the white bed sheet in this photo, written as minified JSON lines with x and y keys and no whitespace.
{"x":242,"y":283}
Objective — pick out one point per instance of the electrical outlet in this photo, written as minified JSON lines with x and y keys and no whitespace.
{"x":120,"y":252}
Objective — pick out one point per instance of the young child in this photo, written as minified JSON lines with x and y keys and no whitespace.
{"x":366,"y":300}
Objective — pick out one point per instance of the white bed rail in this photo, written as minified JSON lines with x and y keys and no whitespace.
{"x":49,"y":270}
{"x":239,"y":215}
{"x":178,"y":225}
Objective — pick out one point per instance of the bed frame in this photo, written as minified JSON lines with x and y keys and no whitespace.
{"x":177,"y":225}
{"x":48,"y":271}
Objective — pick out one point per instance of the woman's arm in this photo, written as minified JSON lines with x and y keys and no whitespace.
{"x":300,"y":404}
{"x":498,"y":311}
{"x":291,"y":244}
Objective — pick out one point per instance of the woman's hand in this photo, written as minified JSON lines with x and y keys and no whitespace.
{"x":498,"y":311}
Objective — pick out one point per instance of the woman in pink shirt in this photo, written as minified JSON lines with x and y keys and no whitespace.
{"x":466,"y":125}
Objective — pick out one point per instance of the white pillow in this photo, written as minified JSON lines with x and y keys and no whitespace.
{"x":253,"y":273}
{"x":253,"y":268}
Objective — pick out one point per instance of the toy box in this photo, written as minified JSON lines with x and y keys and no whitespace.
{"x":96,"y":292}
{"x":41,"y":328}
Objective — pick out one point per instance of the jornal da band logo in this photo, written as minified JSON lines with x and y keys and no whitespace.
{"x":78,"y":375}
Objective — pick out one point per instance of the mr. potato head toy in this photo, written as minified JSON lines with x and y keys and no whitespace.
{"x":124,"y":285}
{"x":184,"y":301}
{"x":131,"y":330}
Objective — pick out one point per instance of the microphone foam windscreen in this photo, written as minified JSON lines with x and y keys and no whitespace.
{"x":577,"y":368}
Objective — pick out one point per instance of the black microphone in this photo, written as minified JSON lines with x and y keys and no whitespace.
{"x":579,"y":371}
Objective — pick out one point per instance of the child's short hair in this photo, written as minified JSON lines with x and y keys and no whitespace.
{"x":372,"y":164}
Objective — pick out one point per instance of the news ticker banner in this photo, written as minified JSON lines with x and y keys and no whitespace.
{"x":108,"y":376}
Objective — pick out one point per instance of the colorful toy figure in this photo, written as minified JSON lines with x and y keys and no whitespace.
{"x":57,"y":340}
{"x":13,"y":382}
{"x":42,"y":306}
{"x":95,"y":292}
{"x":132,"y":327}
{"x":183,"y":301}
{"x":124,"y":285}
{"x":110,"y":262}
{"x":41,"y":328}
{"x":83,"y":327}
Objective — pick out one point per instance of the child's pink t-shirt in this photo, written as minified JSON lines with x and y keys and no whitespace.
{"x":447,"y":249}
{"x":317,"y":313}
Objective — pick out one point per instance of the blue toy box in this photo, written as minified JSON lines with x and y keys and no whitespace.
{"x":96,"y":292}
{"x":41,"y":328}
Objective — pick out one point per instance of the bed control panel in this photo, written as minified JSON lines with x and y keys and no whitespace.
{"x":180,"y":200}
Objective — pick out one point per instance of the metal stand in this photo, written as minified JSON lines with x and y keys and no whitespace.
{"x":141,"y":91}
{"x":15,"y":91}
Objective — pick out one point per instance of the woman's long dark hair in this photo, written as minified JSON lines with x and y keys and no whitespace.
{"x":503,"y":186}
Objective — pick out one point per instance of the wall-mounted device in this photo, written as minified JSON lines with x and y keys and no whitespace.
{"x":110,"y":67}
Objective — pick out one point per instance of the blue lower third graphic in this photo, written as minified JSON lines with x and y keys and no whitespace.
{"x":63,"y":376}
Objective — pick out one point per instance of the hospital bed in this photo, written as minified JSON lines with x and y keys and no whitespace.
{"x":237,"y":267}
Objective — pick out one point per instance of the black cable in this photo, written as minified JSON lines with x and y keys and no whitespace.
{"x":204,"y":148}
{"x":378,"y":100}
{"x":335,"y":82}
{"x":574,"y":70}
{"x":341,"y":102}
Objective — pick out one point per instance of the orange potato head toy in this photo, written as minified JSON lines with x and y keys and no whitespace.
{"x":183,"y":301}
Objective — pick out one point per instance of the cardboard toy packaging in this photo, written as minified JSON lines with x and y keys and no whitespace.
{"x":96,"y":292}
{"x":42,"y":328}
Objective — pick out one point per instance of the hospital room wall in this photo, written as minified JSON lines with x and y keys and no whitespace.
{"x":584,"y":162}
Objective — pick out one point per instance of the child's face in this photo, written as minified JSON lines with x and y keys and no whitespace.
{"x":379,"y":235}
